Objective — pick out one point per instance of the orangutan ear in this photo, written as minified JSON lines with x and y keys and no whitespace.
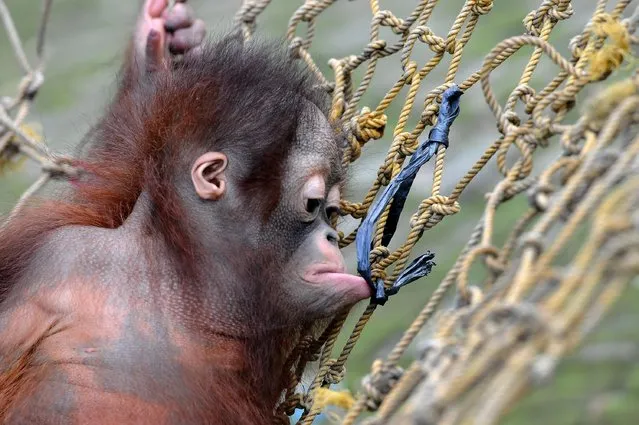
{"x":208,"y":175}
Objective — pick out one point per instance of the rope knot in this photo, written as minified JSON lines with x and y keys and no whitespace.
{"x":385,"y":174}
{"x":307,"y":349}
{"x":335,"y":373}
{"x":556,"y":10}
{"x":482,"y":7}
{"x":387,"y":19}
{"x":507,"y":120}
{"x":440,"y":204}
{"x":531,"y":23}
{"x":561,"y":10}
{"x":435,"y":43}
{"x":355,"y":147}
{"x":290,"y":404}
{"x":375,"y":45}
{"x":446,"y":209}
{"x":524,"y":92}
{"x":379,"y":383}
{"x":379,"y":253}
{"x":407,"y":144}
{"x":33,"y":82}
{"x":378,"y":274}
{"x":409,"y":70}
{"x":354,"y":209}
{"x":294,"y":47}
{"x":305,"y":342}
{"x":577,"y":44}
{"x":428,"y":114}
{"x":368,"y":125}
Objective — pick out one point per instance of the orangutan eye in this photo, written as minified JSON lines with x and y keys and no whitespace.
{"x":313,"y":206}
{"x":313,"y":197}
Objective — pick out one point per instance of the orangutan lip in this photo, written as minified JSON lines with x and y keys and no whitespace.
{"x":327,"y":268}
{"x":335,"y":275}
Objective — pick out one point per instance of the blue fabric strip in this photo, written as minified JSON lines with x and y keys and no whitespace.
{"x":397,"y":192}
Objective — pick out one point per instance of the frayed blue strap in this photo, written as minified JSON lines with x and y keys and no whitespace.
{"x":397,"y":192}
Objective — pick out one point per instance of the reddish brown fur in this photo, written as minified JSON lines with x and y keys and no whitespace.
{"x":134,"y":148}
{"x":20,"y":378}
{"x":130,"y":151}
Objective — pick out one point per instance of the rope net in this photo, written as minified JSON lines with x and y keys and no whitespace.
{"x":520,"y":304}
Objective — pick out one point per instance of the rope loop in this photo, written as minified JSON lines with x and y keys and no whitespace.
{"x":463,"y":287}
{"x":380,"y":382}
{"x":494,"y":265}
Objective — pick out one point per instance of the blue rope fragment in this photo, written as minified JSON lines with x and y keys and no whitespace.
{"x":397,"y":192}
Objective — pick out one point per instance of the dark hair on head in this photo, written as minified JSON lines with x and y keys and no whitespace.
{"x":250,"y":96}
{"x":242,"y":99}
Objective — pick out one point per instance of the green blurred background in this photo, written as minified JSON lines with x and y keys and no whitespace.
{"x":599,"y":384}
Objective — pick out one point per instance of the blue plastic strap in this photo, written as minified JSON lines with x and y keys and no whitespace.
{"x":397,"y":192}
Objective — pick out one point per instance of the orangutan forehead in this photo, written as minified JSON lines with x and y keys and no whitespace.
{"x":318,"y":143}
